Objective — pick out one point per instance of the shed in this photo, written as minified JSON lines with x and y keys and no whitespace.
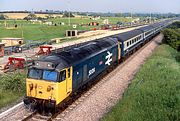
{"x":12,"y":41}
{"x":93,"y":24}
{"x":71,"y":33}
{"x":2,"y":49}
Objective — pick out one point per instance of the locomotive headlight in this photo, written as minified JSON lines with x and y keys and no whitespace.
{"x":49,"y":65}
{"x":49,"y":88}
{"x":37,"y":64}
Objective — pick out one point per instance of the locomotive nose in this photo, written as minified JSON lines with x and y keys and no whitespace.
{"x":41,"y":90}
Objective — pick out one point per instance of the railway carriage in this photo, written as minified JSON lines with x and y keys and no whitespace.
{"x":148,"y":32}
{"x":129,"y":41}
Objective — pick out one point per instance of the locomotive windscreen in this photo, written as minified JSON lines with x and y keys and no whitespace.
{"x":43,"y":74}
{"x":35,"y":73}
{"x":50,"y":75}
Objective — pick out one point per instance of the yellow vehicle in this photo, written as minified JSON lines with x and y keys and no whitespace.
{"x":53,"y":78}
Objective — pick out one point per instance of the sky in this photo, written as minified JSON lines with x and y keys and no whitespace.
{"x":136,"y":6}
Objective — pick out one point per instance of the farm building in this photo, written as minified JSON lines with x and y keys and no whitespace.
{"x":93,"y":24}
{"x":12,"y":41}
{"x":2,"y":49}
{"x":71,"y":33}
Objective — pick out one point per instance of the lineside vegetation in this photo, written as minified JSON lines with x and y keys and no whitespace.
{"x":12,"y":88}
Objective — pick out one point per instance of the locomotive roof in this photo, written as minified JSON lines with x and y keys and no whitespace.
{"x":127,"y":35}
{"x":146,"y":28}
{"x":67,"y":58}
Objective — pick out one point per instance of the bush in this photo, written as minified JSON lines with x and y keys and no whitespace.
{"x":15,"y":82}
{"x":172,"y":37}
{"x":178,"y":57}
{"x":175,"y":25}
{"x":30,"y":17}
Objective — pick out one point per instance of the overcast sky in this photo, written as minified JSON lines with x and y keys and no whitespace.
{"x":136,"y":6}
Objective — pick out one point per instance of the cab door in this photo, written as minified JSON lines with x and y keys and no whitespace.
{"x":69,"y":80}
{"x":119,"y":50}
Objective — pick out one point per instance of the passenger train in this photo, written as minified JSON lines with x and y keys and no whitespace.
{"x":55,"y":77}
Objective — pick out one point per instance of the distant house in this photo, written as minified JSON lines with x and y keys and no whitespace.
{"x":106,"y":21}
{"x":93,"y":24}
{"x":96,"y":18}
{"x":12,"y":41}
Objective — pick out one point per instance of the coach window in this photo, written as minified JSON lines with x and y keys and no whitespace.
{"x":127,"y":44}
{"x":130,"y":42}
{"x":62,"y":75}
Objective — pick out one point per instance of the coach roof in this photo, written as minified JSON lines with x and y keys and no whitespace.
{"x":146,"y":28}
{"x":127,"y":35}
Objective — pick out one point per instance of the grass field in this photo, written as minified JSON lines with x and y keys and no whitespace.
{"x":42,"y":32}
{"x":154,"y":94}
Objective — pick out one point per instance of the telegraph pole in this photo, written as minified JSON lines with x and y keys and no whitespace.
{"x":69,"y":13}
{"x":131,"y":18}
{"x":150,"y":18}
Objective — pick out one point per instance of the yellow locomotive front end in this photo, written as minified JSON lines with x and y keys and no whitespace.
{"x":47,"y":87}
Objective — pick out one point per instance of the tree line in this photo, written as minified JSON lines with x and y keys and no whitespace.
{"x":172,"y":35}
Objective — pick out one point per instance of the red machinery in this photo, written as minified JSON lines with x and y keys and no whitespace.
{"x":44,"y":50}
{"x":15,"y":63}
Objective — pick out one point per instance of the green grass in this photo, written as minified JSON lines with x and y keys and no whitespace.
{"x":43,"y":32}
{"x":154,"y":94}
{"x":8,"y":97}
{"x":37,"y":32}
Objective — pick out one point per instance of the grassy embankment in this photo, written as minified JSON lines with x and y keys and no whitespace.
{"x":12,"y":88}
{"x":154,"y":94}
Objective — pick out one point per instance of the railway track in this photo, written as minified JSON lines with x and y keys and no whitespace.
{"x":73,"y":102}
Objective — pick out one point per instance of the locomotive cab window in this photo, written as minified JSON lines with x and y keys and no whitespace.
{"x":50,"y":75}
{"x":35,"y":73}
{"x":62,"y":75}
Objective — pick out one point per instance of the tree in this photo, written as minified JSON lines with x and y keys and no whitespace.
{"x":67,"y":14}
{"x":118,"y":15}
{"x":3,"y":17}
{"x":172,"y":37}
{"x":30,"y":17}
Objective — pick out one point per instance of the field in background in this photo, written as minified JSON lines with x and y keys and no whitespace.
{"x":23,"y":15}
{"x":154,"y":94}
{"x":44,"y":32}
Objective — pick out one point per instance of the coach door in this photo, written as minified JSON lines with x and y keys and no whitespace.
{"x":69,"y":80}
{"x":84,"y":73}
